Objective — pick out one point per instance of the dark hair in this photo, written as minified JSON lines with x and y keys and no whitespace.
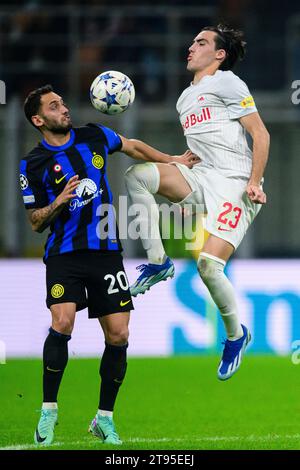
{"x":33,"y":102}
{"x":231,"y":40}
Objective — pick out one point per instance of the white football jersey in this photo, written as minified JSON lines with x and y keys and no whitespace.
{"x":209,"y":114}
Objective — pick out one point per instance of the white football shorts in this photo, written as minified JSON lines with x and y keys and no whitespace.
{"x":229,"y":210}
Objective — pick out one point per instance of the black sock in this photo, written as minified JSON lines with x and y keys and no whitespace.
{"x":55,"y":358}
{"x":112,"y":371}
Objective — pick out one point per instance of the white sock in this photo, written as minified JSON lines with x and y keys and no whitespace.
{"x":49,"y":405}
{"x":211,"y":270}
{"x":142,"y":181}
{"x":105,"y":413}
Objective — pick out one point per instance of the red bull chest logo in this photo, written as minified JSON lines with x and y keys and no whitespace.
{"x":193,"y":119}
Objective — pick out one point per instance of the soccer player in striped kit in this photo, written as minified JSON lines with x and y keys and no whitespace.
{"x":215,"y":111}
{"x":64,"y":185}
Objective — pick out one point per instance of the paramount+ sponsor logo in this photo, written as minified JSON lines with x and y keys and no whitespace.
{"x":193,"y":119}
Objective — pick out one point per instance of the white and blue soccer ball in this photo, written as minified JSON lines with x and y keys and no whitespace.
{"x":112,"y":92}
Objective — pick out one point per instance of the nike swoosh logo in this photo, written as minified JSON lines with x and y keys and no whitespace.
{"x":60,"y":179}
{"x":118,"y":381}
{"x":53,"y":370}
{"x":124,"y":303}
{"x":39,"y":438}
{"x":223,"y":229}
{"x":104,"y":436}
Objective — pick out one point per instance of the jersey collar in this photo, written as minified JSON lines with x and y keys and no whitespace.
{"x":60,"y":147}
{"x":207,"y":77}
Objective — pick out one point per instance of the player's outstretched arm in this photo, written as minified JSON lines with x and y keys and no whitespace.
{"x":141,"y":151}
{"x":261,"y":143}
{"x":40,"y":219}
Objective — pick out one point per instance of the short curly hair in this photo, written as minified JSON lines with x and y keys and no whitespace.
{"x":232,"y":41}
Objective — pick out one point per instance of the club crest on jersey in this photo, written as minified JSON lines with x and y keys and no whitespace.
{"x":57,"y":168}
{"x":97,"y":161}
{"x":200,"y":98}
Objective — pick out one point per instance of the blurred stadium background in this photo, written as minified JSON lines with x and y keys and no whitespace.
{"x":67,"y":43}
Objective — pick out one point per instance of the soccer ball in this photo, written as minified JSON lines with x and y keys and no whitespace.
{"x":112,"y":92}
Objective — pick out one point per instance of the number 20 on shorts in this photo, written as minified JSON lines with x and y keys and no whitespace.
{"x":237,"y":211}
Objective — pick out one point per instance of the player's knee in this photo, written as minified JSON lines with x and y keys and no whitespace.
{"x":142,"y":177}
{"x":130,"y":174}
{"x":117,"y":336}
{"x":63,"y":325}
{"x":207,"y":270}
{"x":132,"y":178}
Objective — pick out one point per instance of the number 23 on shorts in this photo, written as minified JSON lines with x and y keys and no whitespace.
{"x":231,"y":221}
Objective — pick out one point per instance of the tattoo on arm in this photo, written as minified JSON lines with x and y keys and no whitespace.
{"x":40,"y":219}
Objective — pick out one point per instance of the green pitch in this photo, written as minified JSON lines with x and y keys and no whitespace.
{"x":175,"y":403}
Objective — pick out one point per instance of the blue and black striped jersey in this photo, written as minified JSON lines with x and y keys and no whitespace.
{"x":44,"y":173}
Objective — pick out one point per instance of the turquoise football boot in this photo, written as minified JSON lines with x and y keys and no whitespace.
{"x":44,"y":432}
{"x":103,"y":427}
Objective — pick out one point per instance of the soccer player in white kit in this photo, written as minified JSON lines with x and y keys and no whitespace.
{"x":215,"y":111}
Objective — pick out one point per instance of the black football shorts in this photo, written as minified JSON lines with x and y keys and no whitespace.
{"x":90,"y":278}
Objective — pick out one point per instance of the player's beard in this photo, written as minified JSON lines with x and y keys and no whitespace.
{"x":56,"y":128}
